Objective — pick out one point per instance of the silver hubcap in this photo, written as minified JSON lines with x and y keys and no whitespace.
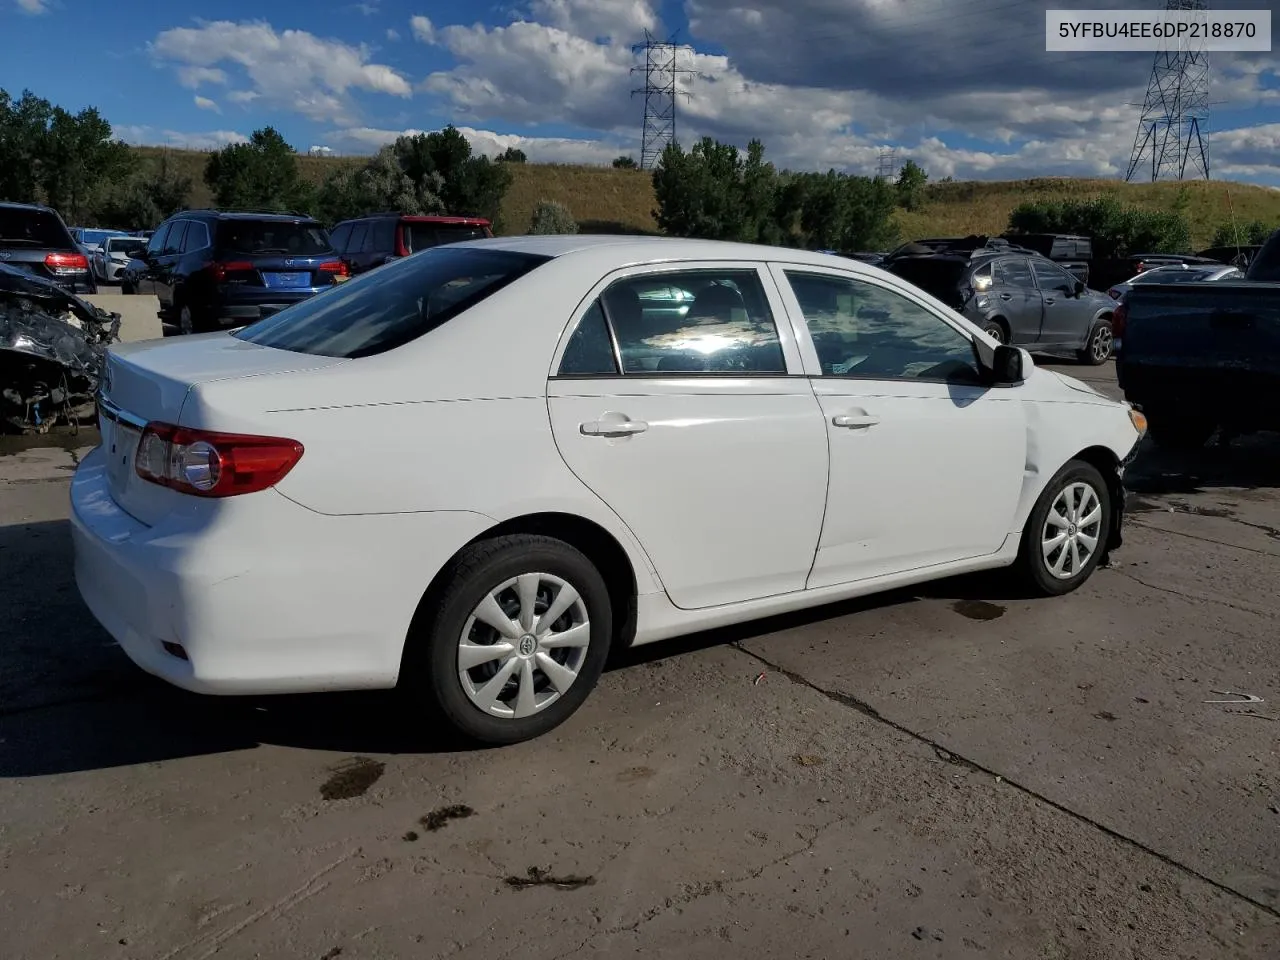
{"x":1102,"y":344}
{"x":996,"y":333}
{"x":523,"y":645}
{"x":1071,"y":530}
{"x":184,"y":320}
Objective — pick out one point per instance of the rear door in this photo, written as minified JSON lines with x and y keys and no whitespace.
{"x":357,"y":253}
{"x":1015,"y":295}
{"x":676,"y":398}
{"x":1067,"y":318}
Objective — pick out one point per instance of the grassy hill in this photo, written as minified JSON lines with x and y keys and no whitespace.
{"x":606,"y":200}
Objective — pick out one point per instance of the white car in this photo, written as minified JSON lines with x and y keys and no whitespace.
{"x":474,"y":471}
{"x":113,"y":255}
{"x":1178,"y":273}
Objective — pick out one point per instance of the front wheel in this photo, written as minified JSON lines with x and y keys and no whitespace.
{"x":995,"y":330}
{"x":517,"y":642}
{"x":1066,"y":534}
{"x":1100,"y":345}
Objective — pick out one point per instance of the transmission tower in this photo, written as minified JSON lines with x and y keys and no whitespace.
{"x":1171,"y":135}
{"x":662,"y":72}
{"x":887,"y":163}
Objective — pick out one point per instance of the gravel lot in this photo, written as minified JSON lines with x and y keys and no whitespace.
{"x":947,"y":772}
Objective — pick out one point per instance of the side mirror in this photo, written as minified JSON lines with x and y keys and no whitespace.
{"x":1078,"y":289}
{"x":1006,"y":366}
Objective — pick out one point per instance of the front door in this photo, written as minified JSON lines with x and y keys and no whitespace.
{"x":1067,"y":318}
{"x":926,"y":463}
{"x":1015,"y":295}
{"x":166,"y":261}
{"x":678,"y":401}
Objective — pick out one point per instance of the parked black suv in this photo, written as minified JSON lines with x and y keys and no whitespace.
{"x":34,"y":239}
{"x":1014,"y":294}
{"x":379,"y":238}
{"x":213,"y":268}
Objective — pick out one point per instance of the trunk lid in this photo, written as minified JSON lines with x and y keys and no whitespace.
{"x":150,"y":380}
{"x":279,"y":272}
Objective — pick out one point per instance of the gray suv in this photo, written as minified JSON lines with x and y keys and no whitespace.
{"x":1017,"y":296}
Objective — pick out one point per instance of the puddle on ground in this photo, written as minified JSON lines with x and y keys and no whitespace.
{"x":352,"y":779}
{"x":441,"y":815}
{"x":978,"y":609}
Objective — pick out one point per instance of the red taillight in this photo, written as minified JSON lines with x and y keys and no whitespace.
{"x":67,"y":262}
{"x":221,"y":270}
{"x":336,"y":267}
{"x":1141,"y":267}
{"x":1118,"y":318}
{"x":208,"y":464}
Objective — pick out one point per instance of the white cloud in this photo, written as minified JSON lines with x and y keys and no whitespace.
{"x":204,"y":103}
{"x":148,"y":136}
{"x":538,"y":149}
{"x":292,"y":69}
{"x":623,"y":21}
{"x":33,"y":7}
{"x":393,"y":35}
{"x":243,"y":96}
{"x":423,"y":29}
{"x":193,"y":77}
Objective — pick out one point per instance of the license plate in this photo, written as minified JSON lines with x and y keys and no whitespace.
{"x":286,"y":279}
{"x":120,"y":442}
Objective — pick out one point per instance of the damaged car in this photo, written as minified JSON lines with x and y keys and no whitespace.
{"x":52,"y":345}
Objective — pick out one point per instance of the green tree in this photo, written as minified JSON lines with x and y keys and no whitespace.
{"x":701,"y":193}
{"x":379,"y":184}
{"x":261,"y":174}
{"x":23,"y":126}
{"x":512,"y":155}
{"x":1242,"y":234}
{"x":625,"y":163}
{"x":141,"y":201}
{"x":910,"y":186}
{"x":471,"y":185}
{"x":1116,"y":230}
{"x":551,"y":216}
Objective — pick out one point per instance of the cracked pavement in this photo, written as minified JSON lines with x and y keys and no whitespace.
{"x":950,"y":771}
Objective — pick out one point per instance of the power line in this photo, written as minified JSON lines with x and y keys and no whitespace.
{"x":1171,"y":134}
{"x":662,"y":72}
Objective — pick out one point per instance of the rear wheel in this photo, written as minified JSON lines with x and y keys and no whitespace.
{"x":1100,"y":345}
{"x":1179,"y":431}
{"x":517,"y":641}
{"x":1066,"y":534}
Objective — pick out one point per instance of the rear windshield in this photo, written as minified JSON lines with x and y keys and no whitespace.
{"x":1176,"y":275}
{"x":292,"y":238}
{"x":420,"y":236}
{"x":388,"y":307}
{"x":32,"y":228}
{"x":127,"y":245}
{"x":940,"y":278}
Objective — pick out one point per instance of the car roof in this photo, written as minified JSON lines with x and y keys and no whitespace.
{"x":245,"y":215}
{"x":420,"y":218}
{"x":12,"y":205}
{"x":623,"y":249}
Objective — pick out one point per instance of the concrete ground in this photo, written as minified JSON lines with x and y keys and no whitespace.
{"x":945,"y":772}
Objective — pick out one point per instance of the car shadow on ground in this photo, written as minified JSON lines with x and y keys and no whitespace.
{"x":70,"y":700}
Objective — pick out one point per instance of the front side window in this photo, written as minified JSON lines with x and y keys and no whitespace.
{"x":393,"y":305}
{"x":867,"y":331}
{"x":1014,"y":273}
{"x":1053,"y":279}
{"x":158,"y":239}
{"x":694,"y":322}
{"x":173,"y":244}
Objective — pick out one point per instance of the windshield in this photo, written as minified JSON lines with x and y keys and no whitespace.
{"x":287,"y":237}
{"x":420,"y":236}
{"x":32,"y":228}
{"x":937,"y":277}
{"x":94,"y":238}
{"x":388,"y":307}
{"x":129,"y":246}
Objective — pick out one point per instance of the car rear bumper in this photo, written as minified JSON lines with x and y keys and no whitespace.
{"x":257,"y":597}
{"x":243,"y":309}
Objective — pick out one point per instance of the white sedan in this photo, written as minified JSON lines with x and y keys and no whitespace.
{"x":475,"y":471}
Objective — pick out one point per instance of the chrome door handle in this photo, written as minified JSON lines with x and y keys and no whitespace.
{"x":855,"y":420}
{"x":613,"y":428}
{"x":1006,"y":296}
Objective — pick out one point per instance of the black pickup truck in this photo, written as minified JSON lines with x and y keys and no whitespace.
{"x":1198,"y":357}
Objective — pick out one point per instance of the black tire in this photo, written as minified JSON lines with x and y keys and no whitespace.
{"x":1031,"y":565}
{"x":199,"y":321}
{"x":1181,"y":432}
{"x":1100,"y":346}
{"x":996,"y":330}
{"x":430,"y":670}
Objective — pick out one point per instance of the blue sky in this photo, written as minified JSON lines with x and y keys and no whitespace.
{"x":822,"y":82}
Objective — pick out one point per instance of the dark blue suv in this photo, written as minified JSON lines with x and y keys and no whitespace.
{"x":212,"y":269}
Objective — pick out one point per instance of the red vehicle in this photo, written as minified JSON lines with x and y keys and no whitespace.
{"x":370,"y":241}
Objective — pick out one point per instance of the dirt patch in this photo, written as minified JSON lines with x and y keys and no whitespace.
{"x":978,"y":609}
{"x":352,"y":779}
{"x":437,"y":818}
{"x":537,"y":877}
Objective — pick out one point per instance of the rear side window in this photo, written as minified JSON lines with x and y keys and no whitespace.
{"x":391,"y":306}
{"x":1265,"y":265}
{"x":32,"y":228}
{"x":937,"y":277}
{"x":341,"y":234}
{"x":384,"y":235}
{"x":420,"y":236}
{"x":288,"y":237}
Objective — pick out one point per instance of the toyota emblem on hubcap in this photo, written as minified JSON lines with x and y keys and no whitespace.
{"x":527,"y":645}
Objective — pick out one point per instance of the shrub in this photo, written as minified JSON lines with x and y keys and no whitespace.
{"x":552,"y":217}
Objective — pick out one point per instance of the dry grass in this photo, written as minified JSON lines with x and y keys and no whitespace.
{"x":606,"y":200}
{"x":983,"y":207}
